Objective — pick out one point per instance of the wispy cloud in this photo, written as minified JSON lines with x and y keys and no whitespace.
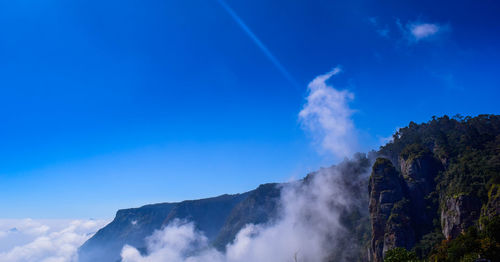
{"x":411,"y":32}
{"x":422,"y":31}
{"x":327,"y":116}
{"x":418,"y":31}
{"x":382,"y":30}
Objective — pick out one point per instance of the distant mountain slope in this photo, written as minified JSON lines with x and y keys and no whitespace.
{"x":130,"y":226}
{"x":259,"y":207}
{"x":213,"y":216}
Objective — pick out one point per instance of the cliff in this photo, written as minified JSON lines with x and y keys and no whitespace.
{"x":434,"y":182}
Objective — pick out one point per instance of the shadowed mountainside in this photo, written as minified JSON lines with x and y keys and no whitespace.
{"x":219,"y":218}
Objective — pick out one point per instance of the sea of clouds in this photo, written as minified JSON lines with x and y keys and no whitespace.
{"x":49,"y":240}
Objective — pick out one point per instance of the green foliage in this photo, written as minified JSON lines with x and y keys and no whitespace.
{"x":424,"y":247}
{"x":469,"y":147}
{"x":400,"y":254}
{"x":399,"y":213}
{"x":414,"y":151}
{"x":494,"y":191}
{"x":471,"y":245}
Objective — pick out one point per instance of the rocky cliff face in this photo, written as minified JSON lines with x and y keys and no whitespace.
{"x":432,"y":183}
{"x":418,"y":173}
{"x":388,"y":210}
{"x":398,"y":208}
{"x":458,"y":214}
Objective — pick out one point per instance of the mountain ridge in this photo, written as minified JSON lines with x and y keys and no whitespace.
{"x":132,"y":226}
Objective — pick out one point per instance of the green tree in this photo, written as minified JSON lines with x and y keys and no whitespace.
{"x":400,"y":254}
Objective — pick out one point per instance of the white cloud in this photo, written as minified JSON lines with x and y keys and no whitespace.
{"x":421,"y":31}
{"x":411,"y":32}
{"x":28,"y":240}
{"x":177,"y":242}
{"x":415,"y":32}
{"x":327,"y":116}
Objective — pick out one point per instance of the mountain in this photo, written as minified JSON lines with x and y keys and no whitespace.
{"x":219,"y":218}
{"x":431,"y":194}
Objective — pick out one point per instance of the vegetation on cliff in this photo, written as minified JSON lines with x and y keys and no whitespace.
{"x":450,"y":168}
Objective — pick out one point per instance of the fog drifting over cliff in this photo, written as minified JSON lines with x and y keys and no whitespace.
{"x":309,"y":228}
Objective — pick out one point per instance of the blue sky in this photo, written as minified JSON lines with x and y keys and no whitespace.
{"x":115,"y":104}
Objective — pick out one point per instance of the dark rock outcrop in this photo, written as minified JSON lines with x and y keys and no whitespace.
{"x":385,"y":189}
{"x":398,"y":209}
{"x":419,"y":172}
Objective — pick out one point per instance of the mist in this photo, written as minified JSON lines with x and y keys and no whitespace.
{"x":309,"y":228}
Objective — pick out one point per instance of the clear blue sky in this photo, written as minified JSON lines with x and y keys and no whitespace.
{"x":115,"y":104}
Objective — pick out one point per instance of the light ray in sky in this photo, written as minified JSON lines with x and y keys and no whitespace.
{"x":259,"y":43}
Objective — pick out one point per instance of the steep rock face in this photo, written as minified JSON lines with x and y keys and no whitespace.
{"x":449,"y":171}
{"x":399,"y":211}
{"x":385,"y":189}
{"x":419,"y":172}
{"x":458,"y":214}
{"x":399,"y":230}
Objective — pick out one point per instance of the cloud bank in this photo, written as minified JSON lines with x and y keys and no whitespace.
{"x":327,"y":116}
{"x":27,"y":240}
